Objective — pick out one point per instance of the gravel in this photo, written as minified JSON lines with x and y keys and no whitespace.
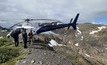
{"x":43,"y":55}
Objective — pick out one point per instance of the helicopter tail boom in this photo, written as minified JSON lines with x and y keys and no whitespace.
{"x":75,"y":22}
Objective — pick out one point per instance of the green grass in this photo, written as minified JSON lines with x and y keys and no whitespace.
{"x":5,"y":42}
{"x":9,"y":54}
{"x":12,"y":61}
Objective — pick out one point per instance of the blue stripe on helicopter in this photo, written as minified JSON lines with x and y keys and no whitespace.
{"x":53,"y":27}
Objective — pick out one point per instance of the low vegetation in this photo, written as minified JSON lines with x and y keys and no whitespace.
{"x":8,"y":52}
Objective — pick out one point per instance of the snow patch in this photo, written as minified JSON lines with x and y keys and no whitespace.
{"x":106,"y":48}
{"x":1,"y":37}
{"x":93,"y":32}
{"x":99,"y":29}
{"x":24,"y":62}
{"x":54,"y":43}
{"x":77,"y":44}
{"x":87,"y":55}
{"x":76,"y":35}
{"x":79,"y":33}
{"x":82,"y":37}
{"x":32,"y":61}
{"x":69,"y":42}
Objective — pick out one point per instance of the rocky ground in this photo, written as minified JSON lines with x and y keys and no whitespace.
{"x":43,"y":55}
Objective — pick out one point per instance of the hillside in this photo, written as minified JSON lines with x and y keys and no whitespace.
{"x":89,"y":42}
{"x":86,"y":46}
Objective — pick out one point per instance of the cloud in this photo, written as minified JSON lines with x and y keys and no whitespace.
{"x":55,"y":9}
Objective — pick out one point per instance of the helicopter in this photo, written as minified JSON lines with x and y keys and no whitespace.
{"x":40,"y":28}
{"x":37,"y":28}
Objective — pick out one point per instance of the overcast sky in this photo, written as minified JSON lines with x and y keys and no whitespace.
{"x":90,"y":10}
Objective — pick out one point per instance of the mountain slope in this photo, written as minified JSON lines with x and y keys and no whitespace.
{"x":82,"y":48}
{"x":92,"y":47}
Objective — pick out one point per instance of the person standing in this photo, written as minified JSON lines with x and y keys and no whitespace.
{"x":24,"y":35}
{"x":30,"y":35}
{"x":15,"y":34}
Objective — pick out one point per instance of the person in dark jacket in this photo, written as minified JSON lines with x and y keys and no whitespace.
{"x":15,"y":34}
{"x":24,"y":35}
